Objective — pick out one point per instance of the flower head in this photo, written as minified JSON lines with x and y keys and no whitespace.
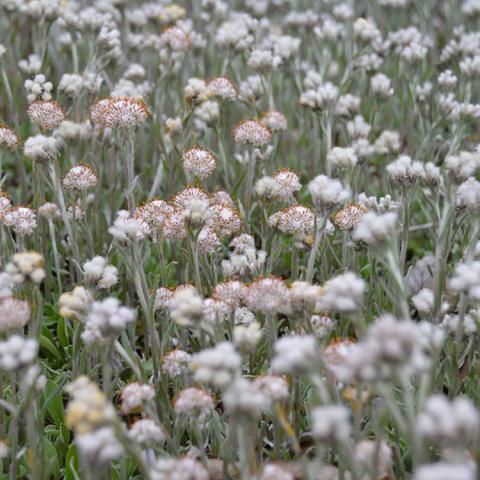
{"x":46,"y":114}
{"x":296,"y":220}
{"x":252,"y":132}
{"x":17,"y":352}
{"x":331,"y":423}
{"x":222,"y":87}
{"x":348,"y":217}
{"x":374,"y":229}
{"x":268,"y":295}
{"x":218,"y":365}
{"x":175,"y":38}
{"x":22,"y":220}
{"x":327,"y":192}
{"x":193,"y":402}
{"x":110,"y":317}
{"x":135,"y":396}
{"x":275,"y":121}
{"x":223,"y":220}
{"x":199,"y":162}
{"x":41,"y":148}
{"x":295,"y":354}
{"x":8,"y":138}
{"x":182,"y":199}
{"x":176,"y":363}
{"x":154,"y":213}
{"x":123,"y":112}
{"x":80,"y":178}
{"x":14,"y":314}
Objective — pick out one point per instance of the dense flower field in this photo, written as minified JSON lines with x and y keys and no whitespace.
{"x":239,"y":239}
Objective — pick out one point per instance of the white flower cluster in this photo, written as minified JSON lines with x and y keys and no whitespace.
{"x":25,"y":266}
{"x":98,"y":272}
{"x":295,"y":354}
{"x":392,"y":347}
{"x":14,"y":314}
{"x":242,"y":398}
{"x":17,"y":352}
{"x":194,"y":402}
{"x":187,"y":307}
{"x":147,"y":433}
{"x":179,"y":468}
{"x":110,"y":317}
{"x":327,"y":193}
{"x":468,"y":195}
{"x":404,"y":171}
{"x":466,"y":279}
{"x":246,"y":337}
{"x":445,"y":471}
{"x":176,"y":363}
{"x":127,"y":228}
{"x":38,"y":89}
{"x":219,"y":365}
{"x":42,"y":148}
{"x":245,"y":260}
{"x":376,"y":230}
{"x":100,"y":447}
{"x":342,"y":158}
{"x":331,"y":423}
{"x":75,"y":304}
{"x":135,"y":396}
{"x":463,"y":165}
{"x":448,"y":422}
{"x":343,"y":294}
{"x":281,"y":186}
{"x":322,"y":97}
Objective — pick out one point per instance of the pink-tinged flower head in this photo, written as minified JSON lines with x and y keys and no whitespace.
{"x":222,"y":87}
{"x":275,"y":121}
{"x":119,"y":112}
{"x":80,"y":177}
{"x":199,"y":162}
{"x":23,"y":220}
{"x":183,"y":198}
{"x":348,"y":217}
{"x":8,"y":138}
{"x":269,"y":295}
{"x":224,"y":220}
{"x":252,"y":132}
{"x":46,"y":114}
{"x":154,"y":213}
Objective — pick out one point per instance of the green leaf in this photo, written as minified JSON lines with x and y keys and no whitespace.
{"x":48,"y":345}
{"x":71,"y":462}
{"x":54,"y":401}
{"x":63,"y":334}
{"x":51,"y":460}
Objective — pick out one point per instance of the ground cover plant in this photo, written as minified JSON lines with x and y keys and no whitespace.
{"x":239,"y":239}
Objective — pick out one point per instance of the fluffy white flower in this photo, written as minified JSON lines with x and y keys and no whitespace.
{"x":17,"y":352}
{"x":448,"y":422}
{"x":218,"y":365}
{"x":327,"y":193}
{"x":295,"y":354}
{"x":110,"y":317}
{"x":331,"y":423}
{"x":100,"y":447}
{"x":375,"y":230}
{"x":343,"y":293}
{"x":445,"y":471}
{"x":187,"y":308}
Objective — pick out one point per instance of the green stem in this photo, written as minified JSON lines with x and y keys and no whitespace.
{"x":13,"y":428}
{"x":319,"y":226}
